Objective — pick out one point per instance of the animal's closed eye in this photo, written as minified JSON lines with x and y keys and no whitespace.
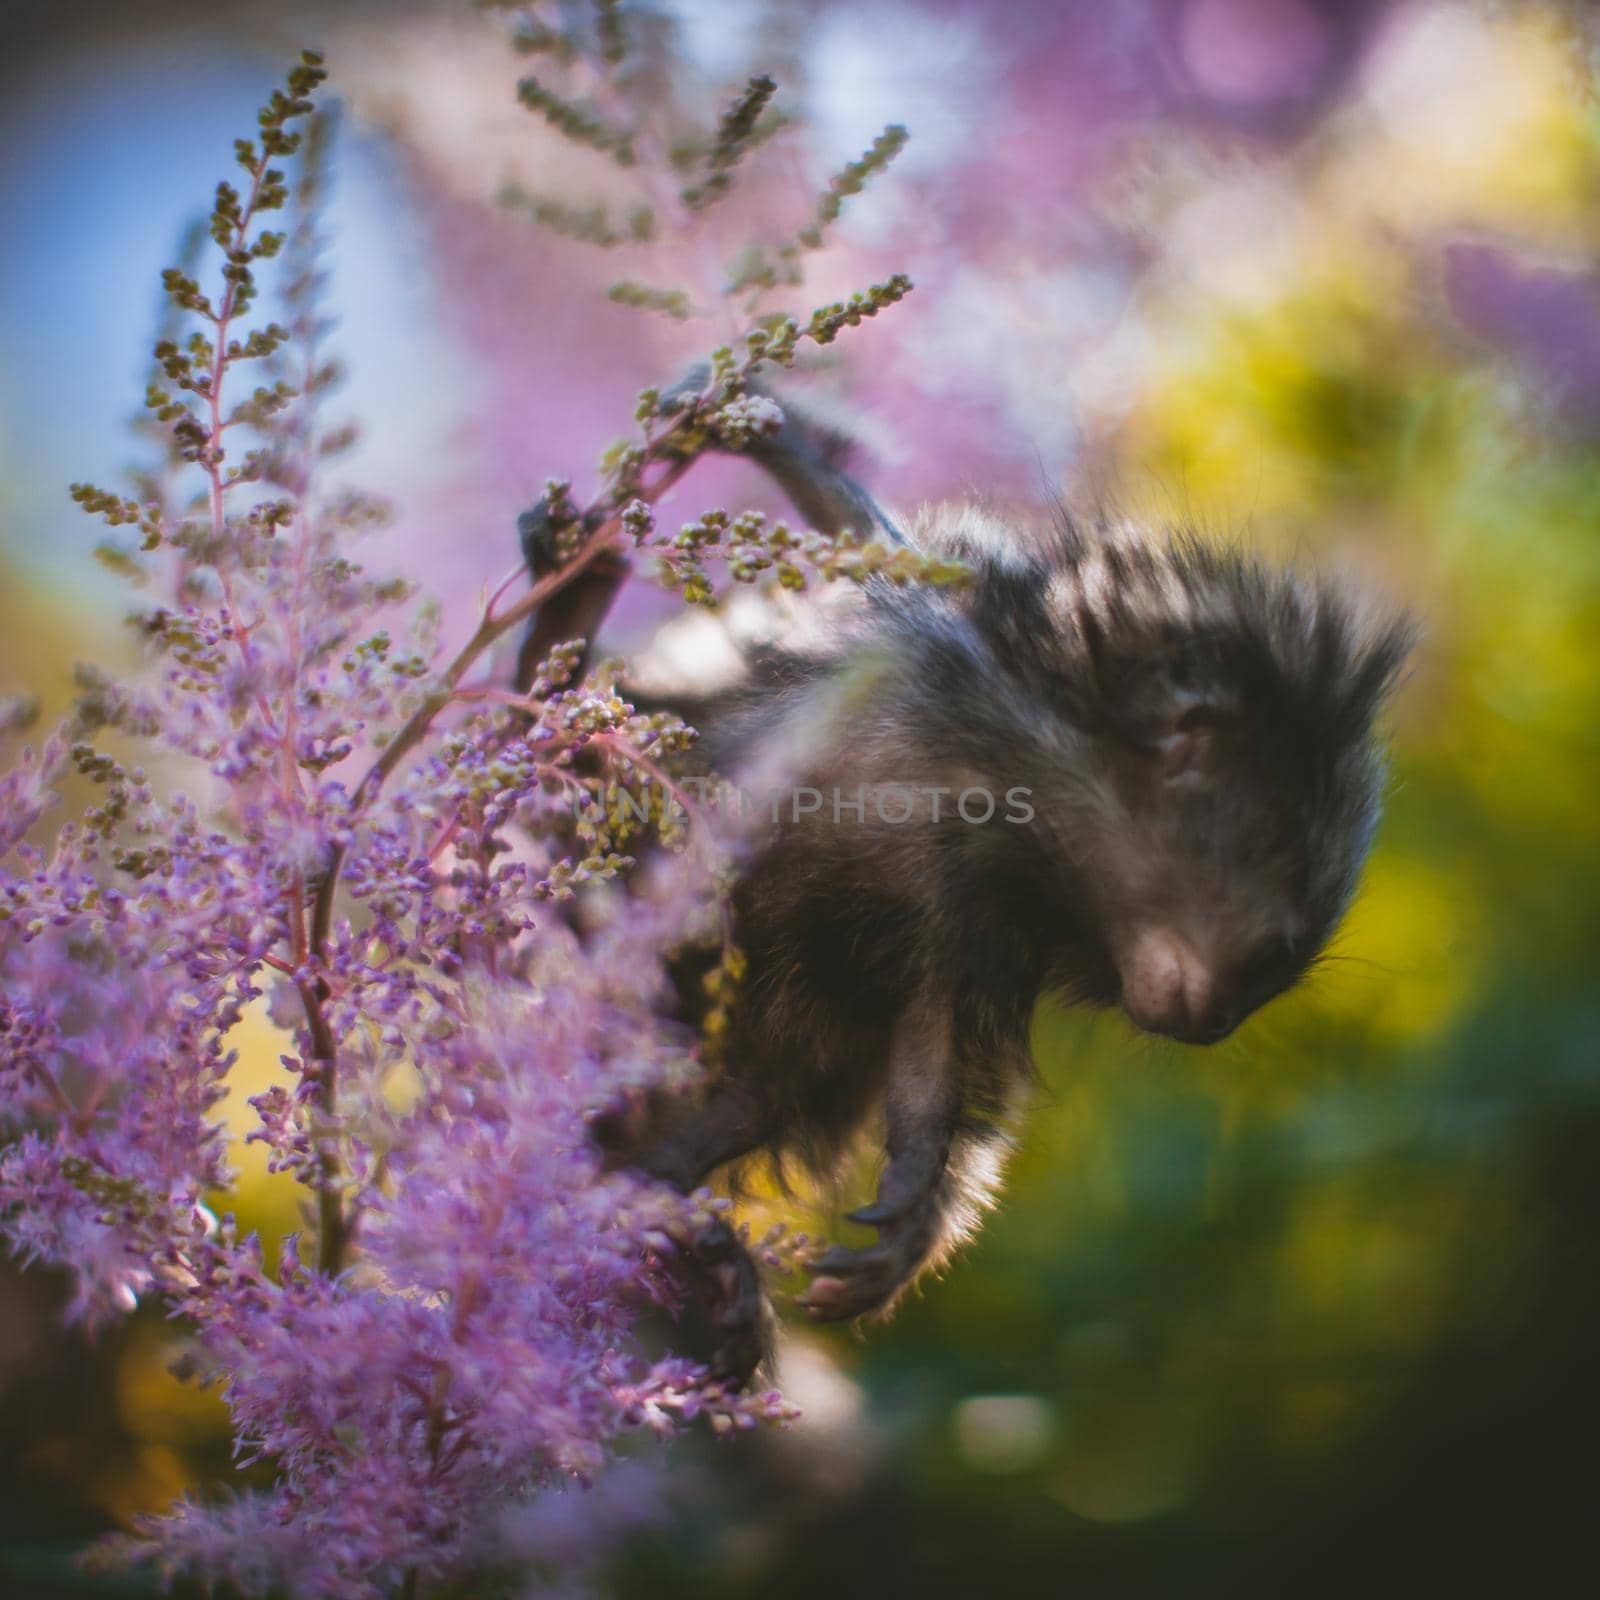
{"x":1187,"y":748}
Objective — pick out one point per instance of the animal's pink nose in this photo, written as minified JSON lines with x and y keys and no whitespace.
{"x":1167,"y":988}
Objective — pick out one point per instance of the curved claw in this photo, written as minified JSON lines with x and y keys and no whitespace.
{"x":873,"y":1216}
{"x":841,"y":1258}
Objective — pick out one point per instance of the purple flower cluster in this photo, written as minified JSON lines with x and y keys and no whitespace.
{"x":372,"y":852}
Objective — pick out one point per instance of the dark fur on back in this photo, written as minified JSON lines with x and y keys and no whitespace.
{"x":1055,"y":673}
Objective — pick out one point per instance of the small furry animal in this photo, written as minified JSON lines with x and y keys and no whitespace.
{"x":1138,"y":771}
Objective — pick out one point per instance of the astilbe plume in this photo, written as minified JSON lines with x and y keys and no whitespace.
{"x":453,"y":1333}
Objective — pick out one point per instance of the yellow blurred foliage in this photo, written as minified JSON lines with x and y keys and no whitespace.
{"x":1418,"y":937}
{"x":269,"y":1203}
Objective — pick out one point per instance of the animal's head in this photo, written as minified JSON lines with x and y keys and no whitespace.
{"x":1236,"y":774}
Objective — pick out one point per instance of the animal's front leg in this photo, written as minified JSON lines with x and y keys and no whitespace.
{"x":724,"y":1277}
{"x":809,"y":462}
{"x":918,"y":1192}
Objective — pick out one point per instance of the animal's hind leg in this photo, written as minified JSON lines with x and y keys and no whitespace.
{"x":724,"y":1277}
{"x":943,"y":1163}
{"x":922,"y":1111}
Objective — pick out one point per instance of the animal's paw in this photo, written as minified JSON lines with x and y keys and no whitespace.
{"x":849,"y":1283}
{"x":735,"y":1303}
{"x":741,"y":1348}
